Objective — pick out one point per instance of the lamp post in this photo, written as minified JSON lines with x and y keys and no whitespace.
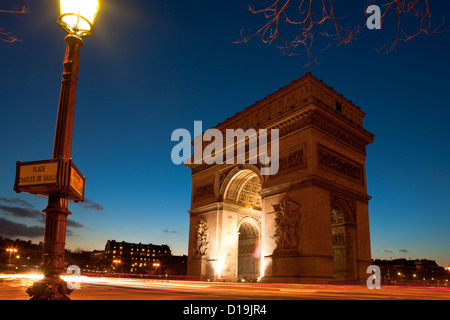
{"x":10,"y":251}
{"x":116,"y":262}
{"x":156,"y":265}
{"x":77,"y":18}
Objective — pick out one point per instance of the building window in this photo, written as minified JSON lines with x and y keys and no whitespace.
{"x":338,"y":107}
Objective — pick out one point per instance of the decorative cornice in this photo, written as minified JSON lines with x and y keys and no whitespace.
{"x":286,"y":97}
{"x":313,"y":181}
{"x":206,"y":208}
{"x":356,"y":138}
{"x":216,"y":206}
{"x":314,"y":118}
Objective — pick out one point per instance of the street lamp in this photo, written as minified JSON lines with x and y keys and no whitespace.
{"x":156,"y":265}
{"x":77,"y":18}
{"x":116,"y":262}
{"x":10,"y":251}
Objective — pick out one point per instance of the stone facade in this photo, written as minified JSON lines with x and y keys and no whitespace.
{"x":307,"y":223}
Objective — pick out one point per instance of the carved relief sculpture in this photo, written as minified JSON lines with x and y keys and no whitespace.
{"x":201,"y":242}
{"x":287,"y":221}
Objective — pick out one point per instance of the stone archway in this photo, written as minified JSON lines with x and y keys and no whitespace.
{"x":322,"y":151}
{"x":249,"y":250}
{"x":243,"y":189}
{"x":242,"y":204}
{"x":343,"y":237}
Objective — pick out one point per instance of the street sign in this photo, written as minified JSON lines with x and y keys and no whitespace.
{"x":77,"y":181}
{"x":37,"y":173}
{"x":45,"y":177}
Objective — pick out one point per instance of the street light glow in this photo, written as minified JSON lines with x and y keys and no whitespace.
{"x":77,"y":16}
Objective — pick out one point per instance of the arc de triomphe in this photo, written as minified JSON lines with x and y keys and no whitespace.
{"x":307,"y":223}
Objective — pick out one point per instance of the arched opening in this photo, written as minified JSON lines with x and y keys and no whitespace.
{"x":343,"y":241}
{"x":243,"y":203}
{"x":243,"y":189}
{"x":248,"y":252}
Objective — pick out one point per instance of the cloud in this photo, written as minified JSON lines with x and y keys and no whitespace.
{"x":16,"y":201}
{"x":88,"y":204}
{"x":26,"y":210}
{"x":388,"y":251}
{"x":70,"y":223}
{"x":73,"y":224}
{"x":169,"y":231}
{"x":21,"y":212}
{"x":403,"y":250}
{"x":12,"y":229}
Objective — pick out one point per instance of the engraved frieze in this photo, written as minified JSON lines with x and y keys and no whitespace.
{"x":293,"y":159}
{"x":339,"y":164}
{"x":203,"y":192}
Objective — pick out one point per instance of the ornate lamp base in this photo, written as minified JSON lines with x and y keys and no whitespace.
{"x":49,"y":290}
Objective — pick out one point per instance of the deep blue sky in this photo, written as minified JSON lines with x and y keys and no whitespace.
{"x":155,"y":66}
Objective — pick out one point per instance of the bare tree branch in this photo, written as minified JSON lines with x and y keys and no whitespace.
{"x":308,"y":17}
{"x":7,"y":36}
{"x":417,"y":9}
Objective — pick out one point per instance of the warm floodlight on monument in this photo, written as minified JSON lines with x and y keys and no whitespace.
{"x":58,"y":178}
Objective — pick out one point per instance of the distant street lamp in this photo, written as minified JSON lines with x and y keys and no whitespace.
{"x":156,"y":265}
{"x":116,"y":262}
{"x":10,"y":251}
{"x":58,"y":178}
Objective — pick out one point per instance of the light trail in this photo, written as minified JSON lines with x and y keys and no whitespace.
{"x":104,"y":287}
